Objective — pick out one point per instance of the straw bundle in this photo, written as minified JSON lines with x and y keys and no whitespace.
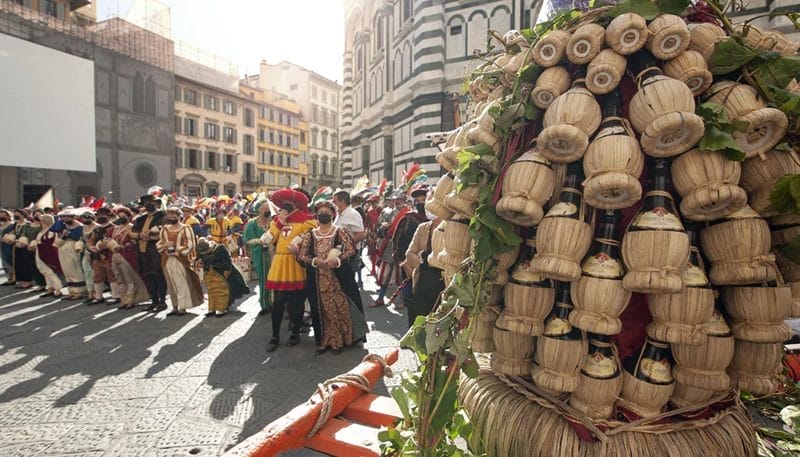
{"x":760,"y":174}
{"x":483,"y":129}
{"x":703,"y":366}
{"x":598,"y":304}
{"x":512,"y":352}
{"x":558,"y":363}
{"x":767,"y":126}
{"x":669,"y":36}
{"x":515,"y":63}
{"x":568,"y":123}
{"x":456,"y":243}
{"x":463,"y":202}
{"x":756,"y":367}
{"x":662,"y":111}
{"x":437,"y":246}
{"x":550,"y":49}
{"x":704,"y":37}
{"x":739,"y":250}
{"x":790,"y":272}
{"x":685,"y":395}
{"x":526,"y":307}
{"x":758,"y":313}
{"x":435,"y":204}
{"x":627,"y":33}
{"x":605,"y":71}
{"x":643,"y":398}
{"x":527,"y":185}
{"x":585,"y":43}
{"x":596,"y":397}
{"x":707,"y":181}
{"x":448,"y":156}
{"x":655,"y":261}
{"x":507,"y":412}
{"x":483,"y":334}
{"x":503,"y":262}
{"x":612,"y":165}
{"x":691,"y":68}
{"x":561,"y":243}
{"x":553,"y":82}
{"x":679,"y":318}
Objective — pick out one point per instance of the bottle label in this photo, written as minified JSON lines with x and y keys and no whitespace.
{"x":524,"y":274}
{"x":656,"y":371}
{"x":694,"y":276}
{"x":556,"y":326}
{"x":658,"y":218}
{"x":716,"y":325}
{"x":599,"y":366}
{"x":562,"y":209}
{"x":601,"y":265}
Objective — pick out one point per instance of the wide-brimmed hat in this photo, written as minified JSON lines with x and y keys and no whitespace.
{"x":327,"y":203}
{"x":204,"y":246}
{"x":123,"y":209}
{"x":293,"y":196}
{"x":418,"y":190}
{"x":175,"y":210}
{"x":104,"y":210}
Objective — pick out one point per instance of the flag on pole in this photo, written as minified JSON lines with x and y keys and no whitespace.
{"x":47,"y":200}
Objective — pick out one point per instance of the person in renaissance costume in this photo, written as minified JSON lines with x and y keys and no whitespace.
{"x":260,"y":252}
{"x":23,"y":259}
{"x":69,"y":232}
{"x":427,"y":281}
{"x":286,"y":277}
{"x":102,"y":271}
{"x":47,"y":257}
{"x":7,"y":246}
{"x":384,"y":253}
{"x":406,"y":227}
{"x":87,"y":219}
{"x":177,"y":244}
{"x":225,"y":283}
{"x":125,"y":261}
{"x":146,"y":230}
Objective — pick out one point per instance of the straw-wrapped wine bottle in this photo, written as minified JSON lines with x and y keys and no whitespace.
{"x":528,"y":296}
{"x":527,"y":185}
{"x":600,"y":380}
{"x":435,"y":203}
{"x":563,"y":237}
{"x":613,"y":160}
{"x":656,"y":247}
{"x":561,"y":350}
{"x":680,"y":318}
{"x":756,"y":367}
{"x":786,"y":228}
{"x":700,"y":371}
{"x":512,"y":352}
{"x":569,"y":122}
{"x":598,"y":295}
{"x":759,"y":312}
{"x":647,"y":382}
{"x":662,"y":110}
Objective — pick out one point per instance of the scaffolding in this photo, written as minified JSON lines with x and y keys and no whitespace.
{"x":114,"y":34}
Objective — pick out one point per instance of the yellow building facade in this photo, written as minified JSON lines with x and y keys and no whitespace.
{"x":281,"y":140}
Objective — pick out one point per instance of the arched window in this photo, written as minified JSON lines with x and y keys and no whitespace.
{"x":324,"y":139}
{"x":456,"y":38}
{"x":138,"y":93}
{"x":379,"y":84}
{"x":314,"y":165}
{"x":397,"y":63}
{"x":407,"y":60}
{"x":501,"y":19}
{"x":476,"y":31}
{"x":378,"y":30}
{"x":324,"y":165}
{"x":150,"y":96}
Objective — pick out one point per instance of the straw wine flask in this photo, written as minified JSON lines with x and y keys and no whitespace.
{"x":605,"y":72}
{"x":669,"y":36}
{"x":613,"y":161}
{"x":464,"y":202}
{"x":627,"y":33}
{"x":784,"y":229}
{"x":600,"y":379}
{"x":598,"y":295}
{"x":562,"y":348}
{"x":435,"y":204}
{"x":553,"y":82}
{"x":528,"y":296}
{"x":502,"y":263}
{"x":550,"y":49}
{"x":766,"y":126}
{"x":563,"y":237}
{"x":759,"y":312}
{"x":656,"y":247}
{"x":662,"y":110}
{"x":707,"y":182}
{"x":704,"y":366}
{"x":568,"y":123}
{"x":512,"y":352}
{"x":647,"y":380}
{"x":437,"y":246}
{"x":585,"y":43}
{"x":456,"y":243}
{"x":756,"y":367}
{"x":680,"y":318}
{"x":760,"y":174}
{"x":527,"y":185}
{"x":483,"y":334}
{"x":691,"y":68}
{"x":704,"y":37}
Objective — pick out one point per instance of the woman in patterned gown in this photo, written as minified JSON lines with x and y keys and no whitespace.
{"x":176,"y":244}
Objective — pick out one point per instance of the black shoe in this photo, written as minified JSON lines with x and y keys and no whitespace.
{"x":222,"y":314}
{"x":321,"y":350}
{"x":47,"y":294}
{"x":113,"y":301}
{"x":337,"y":351}
{"x":263,"y":312}
{"x":273,"y":344}
{"x":294,"y":340}
{"x":210,"y":314}
{"x":89,"y":301}
{"x":96,"y":301}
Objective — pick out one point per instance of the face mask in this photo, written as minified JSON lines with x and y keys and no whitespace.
{"x":429,"y":215}
{"x":150,"y":208}
{"x":172,"y":220}
{"x":17,"y":218}
{"x":102,"y":220}
{"x":287,"y":208}
{"x":420,"y":207}
{"x":324,"y":218}
{"x":121,"y":221}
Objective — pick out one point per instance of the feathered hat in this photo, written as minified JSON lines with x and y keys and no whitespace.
{"x":323,"y":193}
{"x":361,"y":184}
{"x":414,"y":175}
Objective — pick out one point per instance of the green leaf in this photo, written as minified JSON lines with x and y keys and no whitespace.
{"x":777,"y":434}
{"x":715,"y":139}
{"x":791,"y":250}
{"x":672,"y":6}
{"x":776,"y":72}
{"x":644,"y":8}
{"x":402,"y":402}
{"x":437,"y":334}
{"x":729,"y":55}
{"x":790,"y":415}
{"x":414,"y":339}
{"x":470,"y":368}
{"x":447,"y":401}
{"x":783,"y":146}
{"x":781,"y":196}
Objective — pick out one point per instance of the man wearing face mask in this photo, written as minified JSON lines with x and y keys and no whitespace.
{"x":427,"y":280}
{"x":125,"y":261}
{"x":101,"y":258}
{"x":146,"y":228}
{"x":349,"y":218}
{"x":403,"y":236}
{"x":87,"y":219}
{"x":6,"y":247}
{"x":259,"y":251}
{"x":70,"y":232}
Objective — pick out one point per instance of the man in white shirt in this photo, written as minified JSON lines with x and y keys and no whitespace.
{"x":347,"y":217}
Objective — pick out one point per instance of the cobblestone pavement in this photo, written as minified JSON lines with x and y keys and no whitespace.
{"x":82,"y":380}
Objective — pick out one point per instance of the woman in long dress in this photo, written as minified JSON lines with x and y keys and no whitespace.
{"x":25,"y":231}
{"x":326,"y":249}
{"x":69,"y":232}
{"x":47,"y":257}
{"x":259,"y":252}
{"x":125,"y":262}
{"x":176,"y":244}
{"x":225,"y":283}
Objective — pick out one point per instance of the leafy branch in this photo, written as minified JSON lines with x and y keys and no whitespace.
{"x":719,"y":131}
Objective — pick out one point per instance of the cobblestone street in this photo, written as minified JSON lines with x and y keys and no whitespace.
{"x":96,"y":381}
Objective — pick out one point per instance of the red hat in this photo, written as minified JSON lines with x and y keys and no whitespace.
{"x":293,"y":196}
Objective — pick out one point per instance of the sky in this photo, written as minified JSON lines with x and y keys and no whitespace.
{"x":306,"y":32}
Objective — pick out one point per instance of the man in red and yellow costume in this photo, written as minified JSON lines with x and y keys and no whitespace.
{"x":286,"y":277}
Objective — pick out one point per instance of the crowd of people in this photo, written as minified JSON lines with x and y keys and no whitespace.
{"x":303,"y":251}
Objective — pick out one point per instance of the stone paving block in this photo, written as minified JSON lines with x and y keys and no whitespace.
{"x":19,"y":413}
{"x":86,"y":438}
{"x":186,"y":431}
{"x":198,"y":369}
{"x":179,"y":392}
{"x":33,"y":433}
{"x":184,"y":451}
{"x":132,"y":445}
{"x":152,"y":420}
{"x":24,"y":449}
{"x":97,"y":412}
{"x":147,"y":388}
{"x":235,"y":408}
